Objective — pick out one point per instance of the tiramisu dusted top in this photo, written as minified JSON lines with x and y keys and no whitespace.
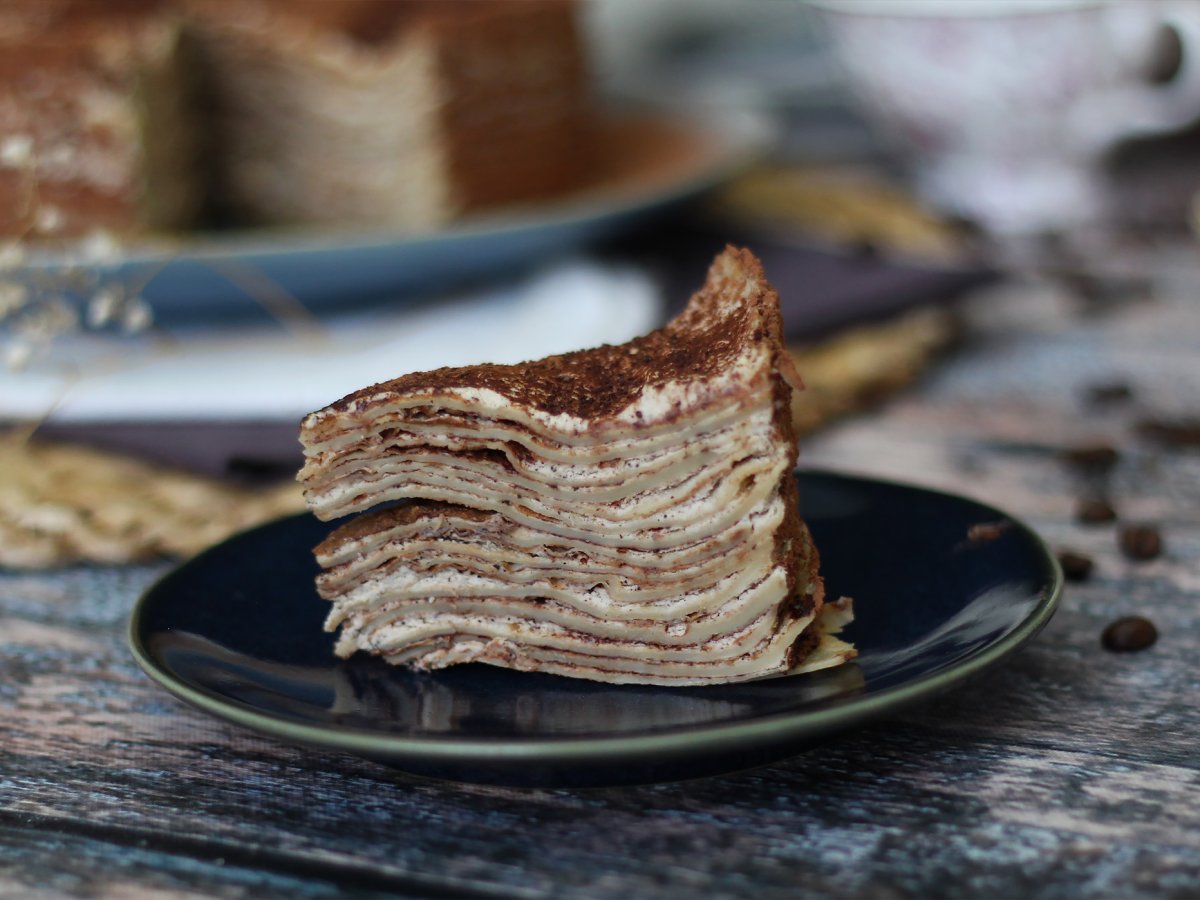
{"x":625,"y":513}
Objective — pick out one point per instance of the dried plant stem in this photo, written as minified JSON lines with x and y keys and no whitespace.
{"x":272,"y":297}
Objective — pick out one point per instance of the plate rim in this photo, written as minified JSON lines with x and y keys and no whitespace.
{"x":777,"y":728}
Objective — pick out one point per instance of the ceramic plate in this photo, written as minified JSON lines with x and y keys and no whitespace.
{"x":646,"y":164}
{"x":237,"y":632}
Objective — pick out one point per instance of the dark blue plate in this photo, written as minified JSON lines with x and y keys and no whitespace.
{"x":237,"y":631}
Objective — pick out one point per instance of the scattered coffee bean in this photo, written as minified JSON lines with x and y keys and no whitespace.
{"x":1129,"y":634}
{"x":983,"y":532}
{"x":1075,"y":566}
{"x":1093,"y":509}
{"x":1140,"y":542}
{"x":1166,"y":56}
{"x":1107,"y":393}
{"x":1094,"y":457}
{"x":1177,"y":433}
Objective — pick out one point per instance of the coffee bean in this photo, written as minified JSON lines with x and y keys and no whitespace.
{"x":1106,"y":393}
{"x":1093,"y":509}
{"x":1129,"y":634}
{"x":1094,"y":457}
{"x":1176,"y":433}
{"x":983,"y":532}
{"x":1075,"y":566}
{"x":1140,"y":542}
{"x":1166,"y":56}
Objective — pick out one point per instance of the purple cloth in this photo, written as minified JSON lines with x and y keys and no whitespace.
{"x":821,"y":290}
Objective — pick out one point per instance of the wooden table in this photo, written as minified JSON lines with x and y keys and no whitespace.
{"x":1070,"y":771}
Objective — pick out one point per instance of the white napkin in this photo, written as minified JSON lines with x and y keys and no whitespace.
{"x":268,"y":373}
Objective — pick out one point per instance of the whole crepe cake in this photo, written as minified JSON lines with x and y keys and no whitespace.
{"x":137,"y":116}
{"x":624,"y":514}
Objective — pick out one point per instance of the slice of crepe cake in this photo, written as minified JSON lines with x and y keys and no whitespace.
{"x":624,"y":514}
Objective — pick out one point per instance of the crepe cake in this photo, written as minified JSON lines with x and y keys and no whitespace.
{"x":399,"y":114}
{"x":624,"y":514}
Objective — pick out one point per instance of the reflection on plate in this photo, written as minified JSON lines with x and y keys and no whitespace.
{"x":237,"y":633}
{"x":649,"y":165}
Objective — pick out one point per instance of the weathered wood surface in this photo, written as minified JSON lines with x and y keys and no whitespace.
{"x":1069,"y":772}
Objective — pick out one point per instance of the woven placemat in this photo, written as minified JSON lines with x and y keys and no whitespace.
{"x":62,"y":504}
{"x":862,"y":366}
{"x":847,"y":207}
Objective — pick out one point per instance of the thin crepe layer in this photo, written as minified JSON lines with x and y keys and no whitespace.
{"x":818,"y":647}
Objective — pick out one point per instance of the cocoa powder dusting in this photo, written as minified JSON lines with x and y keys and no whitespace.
{"x":705,"y":341}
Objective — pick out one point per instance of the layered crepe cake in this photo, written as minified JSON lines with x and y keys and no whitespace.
{"x":137,"y":116}
{"x":405,"y":115}
{"x":624,"y":514}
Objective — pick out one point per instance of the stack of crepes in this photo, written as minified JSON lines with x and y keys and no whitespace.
{"x":624,"y":514}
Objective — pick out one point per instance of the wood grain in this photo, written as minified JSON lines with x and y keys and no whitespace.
{"x":1070,"y":772}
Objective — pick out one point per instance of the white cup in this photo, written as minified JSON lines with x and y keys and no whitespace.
{"x":1005,"y":107}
